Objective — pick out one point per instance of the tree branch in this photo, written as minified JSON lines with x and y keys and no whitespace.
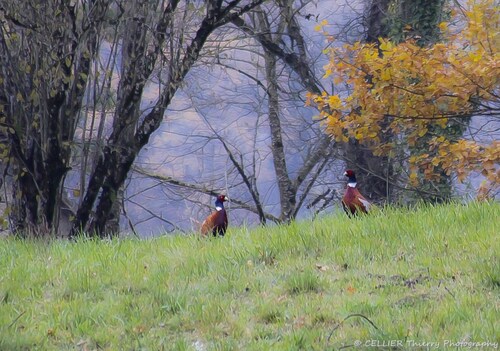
{"x":201,"y":189}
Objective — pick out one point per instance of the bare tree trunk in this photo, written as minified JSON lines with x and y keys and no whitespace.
{"x":285,"y":186}
{"x":287,"y":192}
{"x":375,"y":174}
{"x":377,"y":21}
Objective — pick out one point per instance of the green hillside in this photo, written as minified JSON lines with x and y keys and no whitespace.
{"x":394,"y":279}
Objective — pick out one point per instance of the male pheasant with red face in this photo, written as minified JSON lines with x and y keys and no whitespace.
{"x":216,"y":222}
{"x":353,"y":202}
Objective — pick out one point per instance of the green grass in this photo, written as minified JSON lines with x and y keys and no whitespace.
{"x":424,"y":275}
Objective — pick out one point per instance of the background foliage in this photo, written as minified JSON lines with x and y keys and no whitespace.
{"x":420,"y":93}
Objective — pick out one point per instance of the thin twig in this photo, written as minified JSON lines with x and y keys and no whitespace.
{"x":350,"y":316}
{"x":16,"y":319}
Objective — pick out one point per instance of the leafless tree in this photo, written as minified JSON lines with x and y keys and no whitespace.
{"x":47,"y":55}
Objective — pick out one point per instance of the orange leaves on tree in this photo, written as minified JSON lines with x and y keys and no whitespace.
{"x":413,"y":90}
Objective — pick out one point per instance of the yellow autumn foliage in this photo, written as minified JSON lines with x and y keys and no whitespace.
{"x":412,"y":89}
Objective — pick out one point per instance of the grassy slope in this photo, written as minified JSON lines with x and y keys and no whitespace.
{"x":430,"y":275}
